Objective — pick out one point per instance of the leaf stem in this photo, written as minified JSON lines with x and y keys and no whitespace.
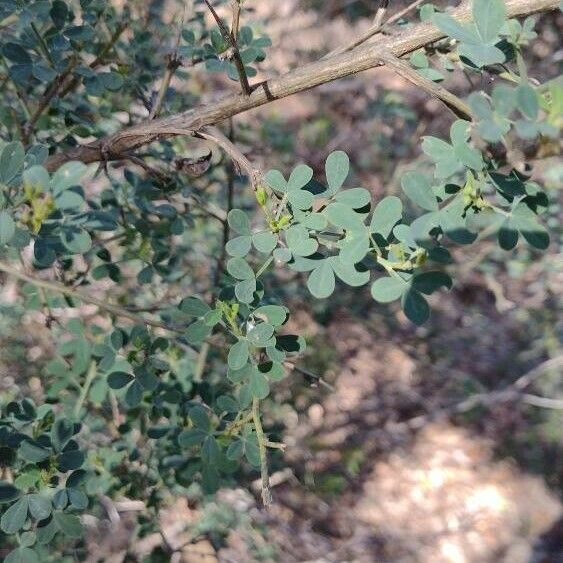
{"x":90,"y":376}
{"x":264,"y":267}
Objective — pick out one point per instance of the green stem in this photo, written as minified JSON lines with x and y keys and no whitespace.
{"x":42,"y":45}
{"x":90,"y":376}
{"x":264,"y":267}
{"x":266,"y":494}
{"x":201,"y":361}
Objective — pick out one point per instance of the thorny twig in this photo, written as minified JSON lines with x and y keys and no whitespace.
{"x":231,"y":39}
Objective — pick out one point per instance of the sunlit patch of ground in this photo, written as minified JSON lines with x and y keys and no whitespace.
{"x":445,"y":500}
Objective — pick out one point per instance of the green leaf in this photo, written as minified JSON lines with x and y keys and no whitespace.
{"x":77,"y":241}
{"x":198,"y":415}
{"x":265,"y":242}
{"x":415,"y":307}
{"x":39,"y":506}
{"x":27,"y":539}
{"x":508,"y":235}
{"x":235,"y":450}
{"x":119,"y":379}
{"x":314,"y":221}
{"x":68,"y":524}
{"x":194,"y":307}
{"x":240,"y":269}
{"x":197,"y":332}
{"x":527,"y":101}
{"x":27,"y":479}
{"x":337,"y":168}
{"x":355,"y":198}
{"x":134,"y":395}
{"x":77,"y":499}
{"x":276,"y":181}
{"x":259,"y":386}
{"x":354,"y":247}
{"x":482,"y":55}
{"x":239,"y":222}
{"x":11,"y":162}
{"x":386,"y":215}
{"x":510,"y":184}
{"x":227,"y":403}
{"x":274,"y":371}
{"x":300,"y":177}
{"x":16,"y":53}
{"x":386,"y":290}
{"x":7,"y":227}
{"x":443,"y":155}
{"x":238,"y":355}
{"x":301,"y":199}
{"x":210,"y":451}
{"x":67,"y":176}
{"x":535,"y":234}
{"x":276,"y":315}
{"x":61,"y":432}
{"x":33,"y":452}
{"x":260,"y":335}
{"x":453,"y":29}
{"x":22,"y":555}
{"x":72,"y":459}
{"x":298,"y":241}
{"x":36,"y":178}
{"x":190,"y":438}
{"x":46,"y":532}
{"x":14,"y":518}
{"x":239,"y":247}
{"x":244,"y":291}
{"x":342,"y":216}
{"x":8,"y":492}
{"x":489,"y":16}
{"x":348,"y":273}
{"x":252,"y":450}
{"x":418,"y":189}
{"x":429,"y":282}
{"x":321,"y":282}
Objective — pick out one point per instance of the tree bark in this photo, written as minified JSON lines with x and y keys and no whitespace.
{"x":113,"y":147}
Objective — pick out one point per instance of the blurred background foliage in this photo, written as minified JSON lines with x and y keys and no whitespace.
{"x":378,"y":466}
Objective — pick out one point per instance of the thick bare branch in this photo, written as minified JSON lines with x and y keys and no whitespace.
{"x":299,"y":80}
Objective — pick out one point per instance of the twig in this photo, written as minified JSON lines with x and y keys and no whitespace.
{"x":50,"y":92}
{"x":214,"y":134}
{"x":376,"y":28}
{"x":42,"y":45}
{"x":513,"y":392}
{"x":235,"y":5}
{"x":232,"y":41}
{"x":380,"y":13}
{"x":542,"y":402}
{"x":264,"y":475}
{"x":230,"y":200}
{"x":173,"y":62}
{"x":72,"y":84}
{"x":201,"y":361}
{"x":293,"y":82}
{"x":451,"y":101}
{"x":74,"y":293}
{"x":311,"y":377}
